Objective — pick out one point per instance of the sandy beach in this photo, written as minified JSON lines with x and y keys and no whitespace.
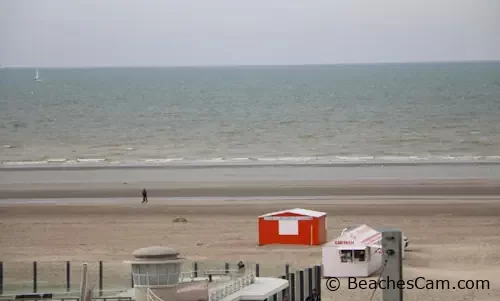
{"x":452,"y":237}
{"x":381,"y":115}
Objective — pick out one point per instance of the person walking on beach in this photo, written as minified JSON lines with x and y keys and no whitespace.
{"x":144,"y":196}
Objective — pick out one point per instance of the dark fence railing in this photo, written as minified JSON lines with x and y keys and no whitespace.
{"x":110,"y":277}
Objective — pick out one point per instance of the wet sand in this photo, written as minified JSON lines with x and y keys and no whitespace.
{"x":271,"y":188}
{"x":452,"y":238}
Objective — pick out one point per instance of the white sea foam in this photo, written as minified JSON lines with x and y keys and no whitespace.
{"x":56,"y":160}
{"x":157,"y":160}
{"x":354,"y":158}
{"x":94,"y":160}
{"x":24,"y":162}
{"x":259,"y":161}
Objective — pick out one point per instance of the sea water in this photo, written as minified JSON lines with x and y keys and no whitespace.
{"x":355,"y":114}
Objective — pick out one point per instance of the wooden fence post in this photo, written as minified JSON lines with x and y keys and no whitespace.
{"x":1,"y":278}
{"x":100,"y":278}
{"x":35,"y":276}
{"x":68,"y":276}
{"x":309,"y":281}
{"x":301,"y":286}
{"x":318,"y":277}
{"x":287,"y":274}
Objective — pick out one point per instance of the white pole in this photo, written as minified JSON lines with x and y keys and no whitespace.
{"x":83,"y":282}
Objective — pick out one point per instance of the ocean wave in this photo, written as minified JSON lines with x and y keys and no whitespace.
{"x":226,"y":161}
{"x":96,"y":160}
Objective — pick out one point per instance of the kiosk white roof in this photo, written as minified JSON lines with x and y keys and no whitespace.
{"x":361,"y":235}
{"x":298,"y":211}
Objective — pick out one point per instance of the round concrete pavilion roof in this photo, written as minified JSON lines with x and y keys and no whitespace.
{"x":155,"y":254}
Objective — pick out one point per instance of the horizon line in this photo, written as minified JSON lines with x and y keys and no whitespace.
{"x":246,"y":65}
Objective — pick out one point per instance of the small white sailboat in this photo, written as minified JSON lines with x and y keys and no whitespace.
{"x":37,"y":76}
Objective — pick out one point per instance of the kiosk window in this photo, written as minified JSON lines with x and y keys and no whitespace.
{"x":359,"y":255}
{"x":346,"y":255}
{"x":288,"y":227}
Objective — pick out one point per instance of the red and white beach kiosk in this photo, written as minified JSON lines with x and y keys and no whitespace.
{"x":293,"y":227}
{"x":356,"y":253}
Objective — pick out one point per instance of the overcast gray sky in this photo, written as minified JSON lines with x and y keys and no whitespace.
{"x":245,"y":32}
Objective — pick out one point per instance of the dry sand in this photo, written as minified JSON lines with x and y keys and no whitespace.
{"x":451,"y":238}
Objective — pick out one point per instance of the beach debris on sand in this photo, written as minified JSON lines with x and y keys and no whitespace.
{"x":179,"y":220}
